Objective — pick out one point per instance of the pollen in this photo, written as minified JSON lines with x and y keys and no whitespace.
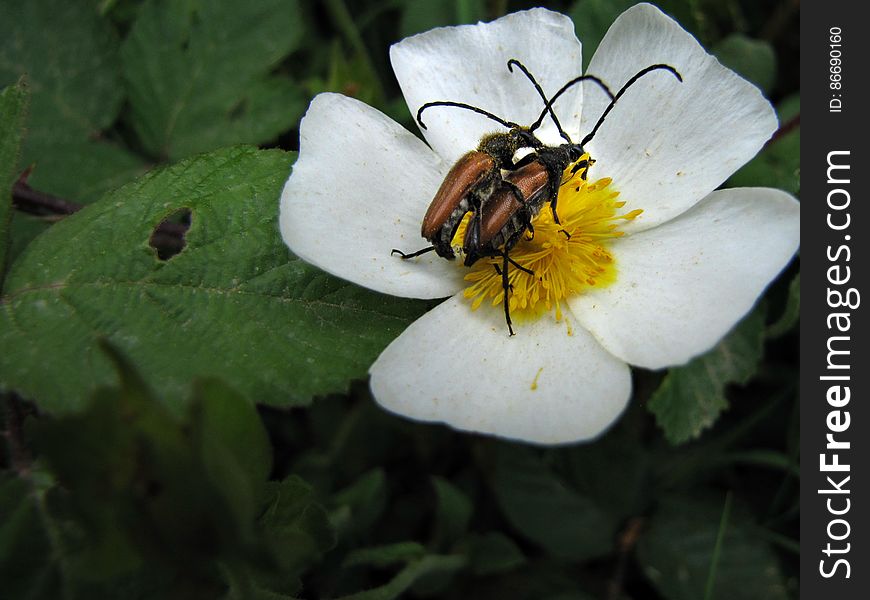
{"x":565,"y":259}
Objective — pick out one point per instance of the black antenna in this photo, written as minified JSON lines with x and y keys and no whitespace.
{"x":564,"y":89}
{"x":619,"y":94}
{"x":547,"y":104}
{"x":480,"y":111}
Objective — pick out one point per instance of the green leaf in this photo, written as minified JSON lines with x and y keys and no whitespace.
{"x":70,"y":57}
{"x":297,"y":531}
{"x":792,"y":312}
{"x":613,"y":472}
{"x":76,"y":78}
{"x":691,"y":397}
{"x":753,"y":59}
{"x":492,"y":553}
{"x":385,"y":556}
{"x":233,"y":304}
{"x":778,"y":164}
{"x":232,"y":422}
{"x":138,"y":485}
{"x":297,"y":525}
{"x":453,"y":513}
{"x":146,"y":493}
{"x":232,"y":443}
{"x":198,"y":73}
{"x":359,"y":505}
{"x":81,"y":170}
{"x":13,"y":110}
{"x":23,"y":229}
{"x":541,"y":507}
{"x":27,"y":560}
{"x":676,"y":553}
{"x":429,"y":565}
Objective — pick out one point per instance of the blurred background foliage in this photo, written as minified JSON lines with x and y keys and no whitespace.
{"x":184,"y":404}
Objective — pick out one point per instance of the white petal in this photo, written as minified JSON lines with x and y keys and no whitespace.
{"x":682,"y":286}
{"x":360,"y":188}
{"x":668,"y":144}
{"x":469,"y":64}
{"x":460,"y":367}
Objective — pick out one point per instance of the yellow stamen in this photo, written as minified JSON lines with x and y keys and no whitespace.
{"x":563,"y":265}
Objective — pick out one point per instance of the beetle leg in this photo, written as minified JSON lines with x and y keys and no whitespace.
{"x":506,"y":286}
{"x":519,"y":266}
{"x":412,"y":254}
{"x":518,"y":194}
{"x":498,"y":270}
{"x":531,"y":229}
{"x":554,"y":196}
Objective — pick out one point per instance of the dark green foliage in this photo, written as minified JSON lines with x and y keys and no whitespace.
{"x":125,"y":489}
{"x":568,"y":524}
{"x":197,"y":73}
{"x":691,"y":397}
{"x":188,"y":417}
{"x":677,"y":553}
{"x":792,"y":311}
{"x":13,"y":108}
{"x":70,"y":57}
{"x":233,"y":281}
{"x":753,"y":59}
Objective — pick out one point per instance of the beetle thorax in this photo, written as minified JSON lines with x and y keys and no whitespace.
{"x":502,"y":147}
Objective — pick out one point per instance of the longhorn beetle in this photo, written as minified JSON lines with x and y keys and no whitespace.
{"x":502,"y":220}
{"x":503,"y":207}
{"x":477,"y":174}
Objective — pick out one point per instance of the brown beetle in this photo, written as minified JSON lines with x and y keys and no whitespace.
{"x":503,"y":220}
{"x":469,"y":182}
{"x":537,"y":178}
{"x":504,"y":206}
{"x":506,"y":215}
{"x":478,"y":173}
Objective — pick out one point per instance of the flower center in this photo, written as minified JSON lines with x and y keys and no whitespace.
{"x":566,"y":258}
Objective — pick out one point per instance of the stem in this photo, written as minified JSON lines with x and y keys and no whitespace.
{"x":167,"y":235}
{"x":29,"y":200}
{"x":626,"y":543}
{"x":717,"y":549}
{"x":784,"y":129}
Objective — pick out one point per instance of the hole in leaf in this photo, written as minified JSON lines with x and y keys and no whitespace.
{"x":168,"y":237}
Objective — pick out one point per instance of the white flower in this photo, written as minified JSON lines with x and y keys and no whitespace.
{"x":687,"y":269}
